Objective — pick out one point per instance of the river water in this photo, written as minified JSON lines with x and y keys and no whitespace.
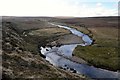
{"x":55,"y":56}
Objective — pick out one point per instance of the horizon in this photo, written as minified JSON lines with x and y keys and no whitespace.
{"x":60,"y":16}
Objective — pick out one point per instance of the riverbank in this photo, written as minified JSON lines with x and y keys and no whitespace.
{"x":104,"y":52}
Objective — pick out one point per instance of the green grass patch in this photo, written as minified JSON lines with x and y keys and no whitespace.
{"x":105,"y":57}
{"x":104,"y":52}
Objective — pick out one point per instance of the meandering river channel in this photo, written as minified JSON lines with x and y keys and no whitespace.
{"x":57,"y":57}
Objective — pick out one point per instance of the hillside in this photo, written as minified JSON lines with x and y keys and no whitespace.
{"x":21,"y":57}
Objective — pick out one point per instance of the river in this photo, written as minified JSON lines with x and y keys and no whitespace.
{"x":55,"y":56}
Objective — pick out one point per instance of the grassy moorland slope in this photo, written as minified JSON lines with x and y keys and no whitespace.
{"x":21,"y":57}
